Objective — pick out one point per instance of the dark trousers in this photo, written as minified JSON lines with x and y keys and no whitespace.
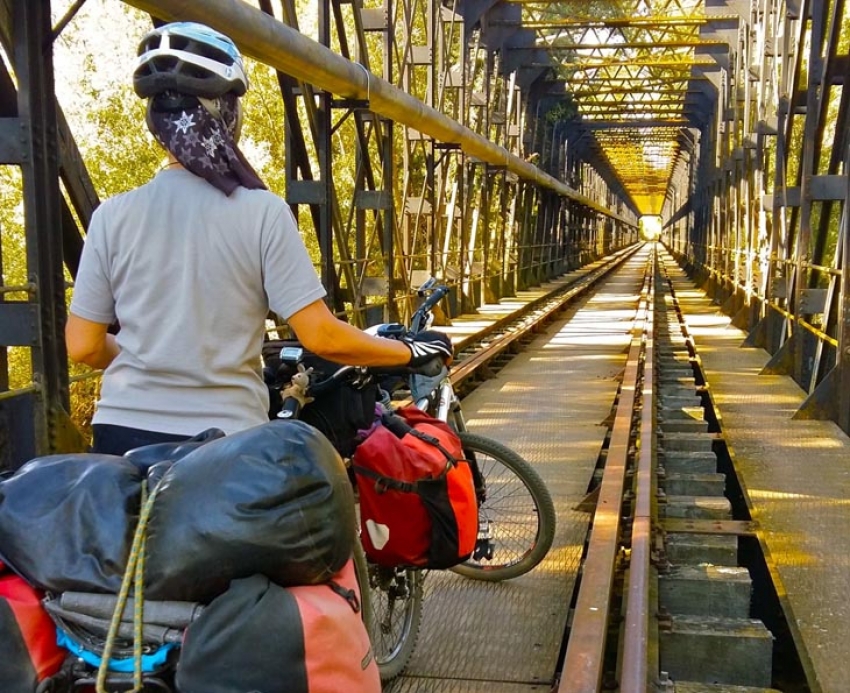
{"x":116,"y":440}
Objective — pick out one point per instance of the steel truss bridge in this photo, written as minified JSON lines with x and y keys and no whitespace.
{"x":497,"y":144}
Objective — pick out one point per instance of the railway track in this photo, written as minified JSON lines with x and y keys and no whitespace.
{"x":483,"y":354}
{"x":662,"y":603}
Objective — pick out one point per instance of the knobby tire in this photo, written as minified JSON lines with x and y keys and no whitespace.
{"x":393,"y":635}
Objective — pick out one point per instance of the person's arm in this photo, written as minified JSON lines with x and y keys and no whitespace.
{"x":89,"y":342}
{"x":322,"y":333}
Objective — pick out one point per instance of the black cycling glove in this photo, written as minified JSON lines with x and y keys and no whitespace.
{"x":427,"y":345}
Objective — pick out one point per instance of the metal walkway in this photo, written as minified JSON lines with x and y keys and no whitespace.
{"x":796,"y":477}
{"x":550,"y":404}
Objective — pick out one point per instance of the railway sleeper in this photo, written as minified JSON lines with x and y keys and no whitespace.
{"x":688,"y":461}
{"x":707,"y":639}
{"x":694,"y":484}
{"x":687,"y":548}
{"x":711,"y":649}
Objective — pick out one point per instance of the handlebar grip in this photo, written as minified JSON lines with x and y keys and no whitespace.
{"x":290,"y":409}
{"x":433,"y":299}
{"x":427,"y":285}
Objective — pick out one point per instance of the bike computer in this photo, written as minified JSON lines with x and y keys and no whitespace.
{"x":291,"y":354}
{"x":393,"y":330}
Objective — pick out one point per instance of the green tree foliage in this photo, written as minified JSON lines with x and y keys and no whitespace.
{"x":12,"y":227}
{"x":14,"y":264}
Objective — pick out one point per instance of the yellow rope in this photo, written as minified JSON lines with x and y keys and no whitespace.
{"x":133,"y":576}
{"x":138,"y":612}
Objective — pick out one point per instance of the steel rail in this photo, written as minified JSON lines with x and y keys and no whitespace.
{"x":291,"y":52}
{"x":504,"y":323}
{"x":635,"y":671}
{"x":584,"y":660}
{"x":507,"y":332}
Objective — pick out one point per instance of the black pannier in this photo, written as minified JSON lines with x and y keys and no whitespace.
{"x":67,"y":521}
{"x":274,"y":499}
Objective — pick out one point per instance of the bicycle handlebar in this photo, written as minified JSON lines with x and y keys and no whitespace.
{"x":430,"y":301}
{"x":301,"y":390}
{"x":346,"y":372}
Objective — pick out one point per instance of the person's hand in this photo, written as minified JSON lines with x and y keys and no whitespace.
{"x":435,"y":368}
{"x":427,"y":345}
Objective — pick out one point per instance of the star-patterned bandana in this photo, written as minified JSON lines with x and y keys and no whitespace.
{"x":203,"y":141}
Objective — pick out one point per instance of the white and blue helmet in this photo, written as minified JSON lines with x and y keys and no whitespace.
{"x":188,"y":58}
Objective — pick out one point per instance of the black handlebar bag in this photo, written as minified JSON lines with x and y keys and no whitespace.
{"x":339,"y":413}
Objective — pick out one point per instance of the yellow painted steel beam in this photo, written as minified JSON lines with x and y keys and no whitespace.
{"x":557,"y":44}
{"x":637,"y":22}
{"x":604,"y":63}
{"x":627,"y":74}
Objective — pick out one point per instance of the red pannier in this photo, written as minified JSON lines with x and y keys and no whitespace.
{"x":259,"y":636}
{"x":417,"y":497}
{"x":28,"y":636}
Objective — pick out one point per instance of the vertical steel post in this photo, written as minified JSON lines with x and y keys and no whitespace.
{"x":323,"y":145}
{"x":808,"y":168}
{"x":33,"y":58}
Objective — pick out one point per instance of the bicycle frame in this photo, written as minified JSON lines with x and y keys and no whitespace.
{"x":443,"y":404}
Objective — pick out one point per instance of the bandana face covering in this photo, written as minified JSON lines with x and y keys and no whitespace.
{"x":201,"y":138}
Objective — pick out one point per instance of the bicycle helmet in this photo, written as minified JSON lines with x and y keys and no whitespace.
{"x":188,"y":58}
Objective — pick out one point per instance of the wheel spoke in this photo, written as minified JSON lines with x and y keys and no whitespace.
{"x":520,"y":533}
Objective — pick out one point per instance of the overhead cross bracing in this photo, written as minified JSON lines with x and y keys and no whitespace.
{"x":628,"y":69}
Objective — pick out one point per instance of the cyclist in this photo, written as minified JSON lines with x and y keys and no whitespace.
{"x":190,"y":263}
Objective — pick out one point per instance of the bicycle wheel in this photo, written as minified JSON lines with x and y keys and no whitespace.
{"x":361,"y":570}
{"x":518,"y":510}
{"x":394,"y":616}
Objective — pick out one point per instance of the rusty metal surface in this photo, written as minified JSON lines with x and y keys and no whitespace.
{"x":637,"y":670}
{"x":796,"y":475}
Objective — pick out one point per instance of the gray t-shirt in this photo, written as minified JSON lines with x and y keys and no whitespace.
{"x":190,"y":274}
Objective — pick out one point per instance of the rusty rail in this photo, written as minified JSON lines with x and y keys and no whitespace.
{"x":585,"y":661}
{"x":518,"y":326}
{"x":635,"y":670}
